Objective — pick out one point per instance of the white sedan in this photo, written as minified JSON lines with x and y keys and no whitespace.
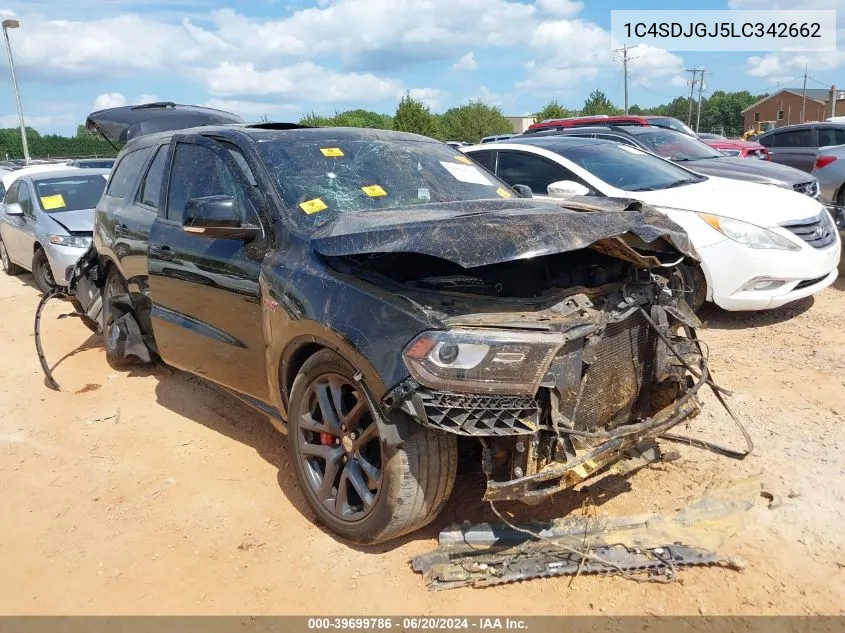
{"x":760,"y":246}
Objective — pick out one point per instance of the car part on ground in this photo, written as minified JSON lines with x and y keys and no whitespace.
{"x":758,"y":247}
{"x":365,"y":284}
{"x":644,"y":547}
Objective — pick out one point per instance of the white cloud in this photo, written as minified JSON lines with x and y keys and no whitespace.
{"x":432,"y":97}
{"x":560,"y":8}
{"x":650,"y":63}
{"x":109,"y":100}
{"x":303,"y":80}
{"x":145,"y":98}
{"x":254,"y":109}
{"x":38,"y":122}
{"x":466,"y":63}
{"x":679,"y":81}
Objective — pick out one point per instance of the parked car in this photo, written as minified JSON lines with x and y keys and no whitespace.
{"x":796,"y":145}
{"x":738,"y":148}
{"x":707,"y":136}
{"x":94,"y":163}
{"x":829,"y":169}
{"x":760,"y":247}
{"x":457,"y":144}
{"x":46,"y":222}
{"x":667,"y":122}
{"x":496,"y":137}
{"x":392,"y":296}
{"x":699,"y":157}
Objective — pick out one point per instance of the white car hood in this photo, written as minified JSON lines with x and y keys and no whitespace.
{"x":763,"y":205}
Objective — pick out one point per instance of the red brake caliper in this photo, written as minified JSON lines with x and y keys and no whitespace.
{"x":326,"y":439}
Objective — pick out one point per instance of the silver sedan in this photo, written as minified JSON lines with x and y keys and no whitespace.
{"x":47,"y":220}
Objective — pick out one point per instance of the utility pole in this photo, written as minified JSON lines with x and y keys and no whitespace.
{"x":700,"y":89}
{"x":14,"y":24}
{"x":691,"y":91}
{"x":625,"y":59}
{"x":804,"y":94}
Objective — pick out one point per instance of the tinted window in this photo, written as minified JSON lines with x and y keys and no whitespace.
{"x":198,"y":172}
{"x":676,"y":146}
{"x":793,"y":138}
{"x":151,"y":187}
{"x":25,"y":199}
{"x":831,"y":136}
{"x":125,"y":175}
{"x":486,"y":159}
{"x":12,"y":195}
{"x":672,"y":123}
{"x":320,"y":180}
{"x":70,"y":193}
{"x":767,"y":141}
{"x":516,"y":168}
{"x":628,"y":168}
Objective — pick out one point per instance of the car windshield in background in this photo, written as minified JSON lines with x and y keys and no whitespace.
{"x":676,"y":146}
{"x":323,"y":179}
{"x":671,"y":123}
{"x":730,"y":152}
{"x":628,"y":168}
{"x":70,"y":193}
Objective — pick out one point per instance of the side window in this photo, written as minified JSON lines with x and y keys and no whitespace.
{"x":12,"y":194}
{"x":150,"y":191}
{"x":794,"y":138}
{"x":125,"y":173}
{"x":198,"y":172}
{"x":517,"y":168}
{"x":767,"y":141}
{"x":25,"y":199}
{"x":617,"y":139}
{"x":831,"y":136}
{"x":486,"y":159}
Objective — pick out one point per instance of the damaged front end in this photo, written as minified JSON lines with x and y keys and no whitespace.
{"x":561,"y":365}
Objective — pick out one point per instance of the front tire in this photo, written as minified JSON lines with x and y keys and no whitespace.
{"x":360,"y":488}
{"x":42,"y":274}
{"x":8,"y":267}
{"x":696,"y":285}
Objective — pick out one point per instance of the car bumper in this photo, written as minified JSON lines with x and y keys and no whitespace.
{"x":60,"y":258}
{"x":729,"y":266}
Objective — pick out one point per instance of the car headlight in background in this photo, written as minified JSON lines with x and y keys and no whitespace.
{"x":70,"y":240}
{"x":749,"y":234}
{"x":477,"y":361}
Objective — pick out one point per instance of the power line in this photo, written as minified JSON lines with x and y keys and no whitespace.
{"x":625,"y":59}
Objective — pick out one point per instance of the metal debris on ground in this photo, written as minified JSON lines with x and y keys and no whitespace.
{"x":649,"y":547}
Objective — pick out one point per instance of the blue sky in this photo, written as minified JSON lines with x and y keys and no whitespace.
{"x":284,"y":58}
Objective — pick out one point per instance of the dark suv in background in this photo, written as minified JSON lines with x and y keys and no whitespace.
{"x":797,"y":145}
{"x":379,"y":296}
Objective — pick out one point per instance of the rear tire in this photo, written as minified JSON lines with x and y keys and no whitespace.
{"x":115,"y":285}
{"x":374,"y":492}
{"x":8,"y":267}
{"x":41,"y":272}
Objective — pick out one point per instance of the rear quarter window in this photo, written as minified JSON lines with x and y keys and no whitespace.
{"x":125,"y":174}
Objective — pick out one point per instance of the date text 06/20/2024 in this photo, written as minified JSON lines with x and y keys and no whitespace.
{"x":417,"y":624}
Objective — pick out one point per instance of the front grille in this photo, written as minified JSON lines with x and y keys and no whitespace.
{"x":810,"y":282}
{"x":817,"y":231}
{"x":478,"y":415}
{"x":624,"y":363}
{"x":810,"y":188}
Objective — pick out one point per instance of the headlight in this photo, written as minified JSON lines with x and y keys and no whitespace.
{"x":479,"y":361}
{"x":748,"y":234}
{"x":70,"y":240}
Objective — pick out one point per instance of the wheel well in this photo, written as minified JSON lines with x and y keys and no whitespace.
{"x":291,"y":366}
{"x":36,"y":246}
{"x":840,"y":194}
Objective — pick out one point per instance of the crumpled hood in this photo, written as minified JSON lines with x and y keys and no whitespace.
{"x":81,"y":221}
{"x":749,"y":169}
{"x":484,"y":232}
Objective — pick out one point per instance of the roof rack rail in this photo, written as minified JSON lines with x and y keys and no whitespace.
{"x":277,"y":126}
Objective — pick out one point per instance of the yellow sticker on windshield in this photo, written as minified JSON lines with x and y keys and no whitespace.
{"x":313,"y":206}
{"x":331,"y":152}
{"x":52,"y":202}
{"x":374,"y":191}
{"x":504,"y":193}
{"x":464,"y":159}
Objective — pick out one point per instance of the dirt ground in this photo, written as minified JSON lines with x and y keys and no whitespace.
{"x":150,"y":491}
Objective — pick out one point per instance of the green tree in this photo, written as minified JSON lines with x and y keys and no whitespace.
{"x":598,"y":103}
{"x":316,"y":120}
{"x":414,"y":116}
{"x":722,"y":111}
{"x":636,"y":110}
{"x":474,"y":120}
{"x":363,"y":118}
{"x":553,"y":110}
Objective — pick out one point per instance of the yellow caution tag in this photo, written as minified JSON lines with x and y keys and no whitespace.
{"x":52,"y":202}
{"x":504,"y":193}
{"x":313,"y":206}
{"x":464,"y":159}
{"x":374,"y":191}
{"x":331,"y":152}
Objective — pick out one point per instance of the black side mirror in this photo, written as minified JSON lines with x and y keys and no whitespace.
{"x":523,"y":191}
{"x":217,"y":216}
